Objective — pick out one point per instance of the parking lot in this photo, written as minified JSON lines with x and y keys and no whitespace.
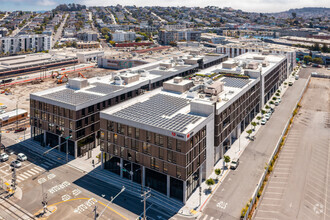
{"x":299,"y":187}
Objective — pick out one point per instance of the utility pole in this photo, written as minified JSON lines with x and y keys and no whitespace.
{"x":17,"y":115}
{"x":95,"y":213}
{"x":145,"y":195}
{"x":200,"y":195}
{"x":13,"y":180}
{"x":67,"y":147}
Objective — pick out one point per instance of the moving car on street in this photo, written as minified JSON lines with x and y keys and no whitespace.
{"x":16,"y":164}
{"x":234,"y":163}
{"x":21,"y":157}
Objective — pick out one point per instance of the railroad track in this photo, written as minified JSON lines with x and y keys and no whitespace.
{"x":15,"y":210}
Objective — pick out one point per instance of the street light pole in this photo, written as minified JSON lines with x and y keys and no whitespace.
{"x":67,"y":147}
{"x":112,"y":198}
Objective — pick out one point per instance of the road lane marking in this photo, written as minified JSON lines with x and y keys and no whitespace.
{"x":211,"y":218}
{"x":29,"y":171}
{"x":27,"y":174}
{"x":205,"y":217}
{"x":32,"y":169}
{"x":21,"y":178}
{"x":38,"y":168}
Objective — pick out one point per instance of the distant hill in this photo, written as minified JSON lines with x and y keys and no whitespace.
{"x":307,"y":12}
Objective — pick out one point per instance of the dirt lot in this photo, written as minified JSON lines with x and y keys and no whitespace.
{"x":20,"y":93}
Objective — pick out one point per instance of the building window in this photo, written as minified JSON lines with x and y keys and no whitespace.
{"x":165,"y":167}
{"x":115,"y":138}
{"x":137,"y":157}
{"x":169,"y":143}
{"x":129,"y":131}
{"x":146,"y":148}
{"x":148,"y":136}
{"x":154,"y":163}
{"x":102,"y":135}
{"x":178,"y":146}
{"x":110,"y":125}
{"x":161,"y":153}
{"x":137,"y":133}
{"x":178,"y":173}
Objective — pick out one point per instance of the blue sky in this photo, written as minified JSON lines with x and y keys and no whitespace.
{"x":246,"y":5}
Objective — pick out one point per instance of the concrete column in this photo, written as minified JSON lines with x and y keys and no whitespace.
{"x":200,"y":175}
{"x":75,"y":149}
{"x":102,"y":164}
{"x":184,"y":192}
{"x":32,"y":128}
{"x":45,"y":138}
{"x":59,"y":143}
{"x":121,"y":167}
{"x":168,"y":186}
{"x":143,"y":176}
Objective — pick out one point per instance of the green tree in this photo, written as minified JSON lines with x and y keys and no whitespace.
{"x":105,"y":31}
{"x":227,"y":159}
{"x":317,"y":60}
{"x":138,"y":39}
{"x":249,"y":132}
{"x":210,"y":182}
{"x":254,"y":125}
{"x":217,"y":172}
{"x":325,"y":49}
{"x":307,"y":59}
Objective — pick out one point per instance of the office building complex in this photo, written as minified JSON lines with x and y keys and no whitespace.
{"x":24,"y":43}
{"x":171,"y":138}
{"x":73,"y":110}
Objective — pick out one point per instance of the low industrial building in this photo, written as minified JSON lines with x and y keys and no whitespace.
{"x":13,"y":116}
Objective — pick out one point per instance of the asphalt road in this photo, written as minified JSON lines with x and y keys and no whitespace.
{"x":59,"y":31}
{"x":237,"y":188}
{"x":299,"y":187}
{"x":70,"y":191}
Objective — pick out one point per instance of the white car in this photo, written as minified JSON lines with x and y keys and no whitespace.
{"x":3,"y":106}
{"x":4,"y":157}
{"x":277,"y":103}
{"x":263,"y":121}
{"x":21,"y":157}
{"x":279,"y":100}
{"x":234,"y":163}
{"x":16,"y":164}
{"x":267,"y":116}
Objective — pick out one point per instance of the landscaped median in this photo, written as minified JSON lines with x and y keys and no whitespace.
{"x":248,"y":211}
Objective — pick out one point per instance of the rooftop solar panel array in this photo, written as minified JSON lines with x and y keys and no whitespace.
{"x":235,"y":82}
{"x":104,"y":88}
{"x":153,"y":110}
{"x":71,"y":96}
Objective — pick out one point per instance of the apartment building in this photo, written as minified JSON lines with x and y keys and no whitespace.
{"x":73,"y":109}
{"x":170,"y":139}
{"x":35,"y":43}
{"x":166,"y":37}
{"x":239,"y":48}
{"x":122,"y":36}
{"x":87,"y":36}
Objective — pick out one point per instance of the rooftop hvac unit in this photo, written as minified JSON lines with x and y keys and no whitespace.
{"x":201,"y":96}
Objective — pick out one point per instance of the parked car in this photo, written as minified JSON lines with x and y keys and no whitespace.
{"x":4,"y":157}
{"x":267,"y":116}
{"x":16,"y":164}
{"x":20,"y":129}
{"x":234,"y":163}
{"x":277,"y":103}
{"x":279,"y":100}
{"x":263,"y":121}
{"x":21,"y":157}
{"x":303,"y":66}
{"x":296,"y":77}
{"x":10,"y":151}
{"x":3,"y":106}
{"x":290,"y":83}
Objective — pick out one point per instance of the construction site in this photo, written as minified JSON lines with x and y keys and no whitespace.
{"x":17,"y":95}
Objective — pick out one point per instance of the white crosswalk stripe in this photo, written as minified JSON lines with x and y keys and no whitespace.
{"x":38,"y":168}
{"x":205,"y":217}
{"x":33,"y":173}
{"x":18,"y":181}
{"x":27,"y":174}
{"x":25,"y":177}
{"x":36,"y":171}
{"x":21,"y":178}
{"x":211,"y":218}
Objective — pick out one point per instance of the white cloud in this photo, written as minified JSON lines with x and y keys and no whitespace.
{"x":246,"y":5}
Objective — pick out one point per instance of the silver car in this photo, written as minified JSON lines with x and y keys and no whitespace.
{"x":16,"y":164}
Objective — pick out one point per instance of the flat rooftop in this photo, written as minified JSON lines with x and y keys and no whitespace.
{"x":157,"y":111}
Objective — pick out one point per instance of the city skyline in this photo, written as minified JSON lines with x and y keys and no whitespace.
{"x":249,"y":6}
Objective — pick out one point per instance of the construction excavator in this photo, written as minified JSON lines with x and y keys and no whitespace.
{"x":62,"y":78}
{"x":55,"y":74}
{"x":81,"y":75}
